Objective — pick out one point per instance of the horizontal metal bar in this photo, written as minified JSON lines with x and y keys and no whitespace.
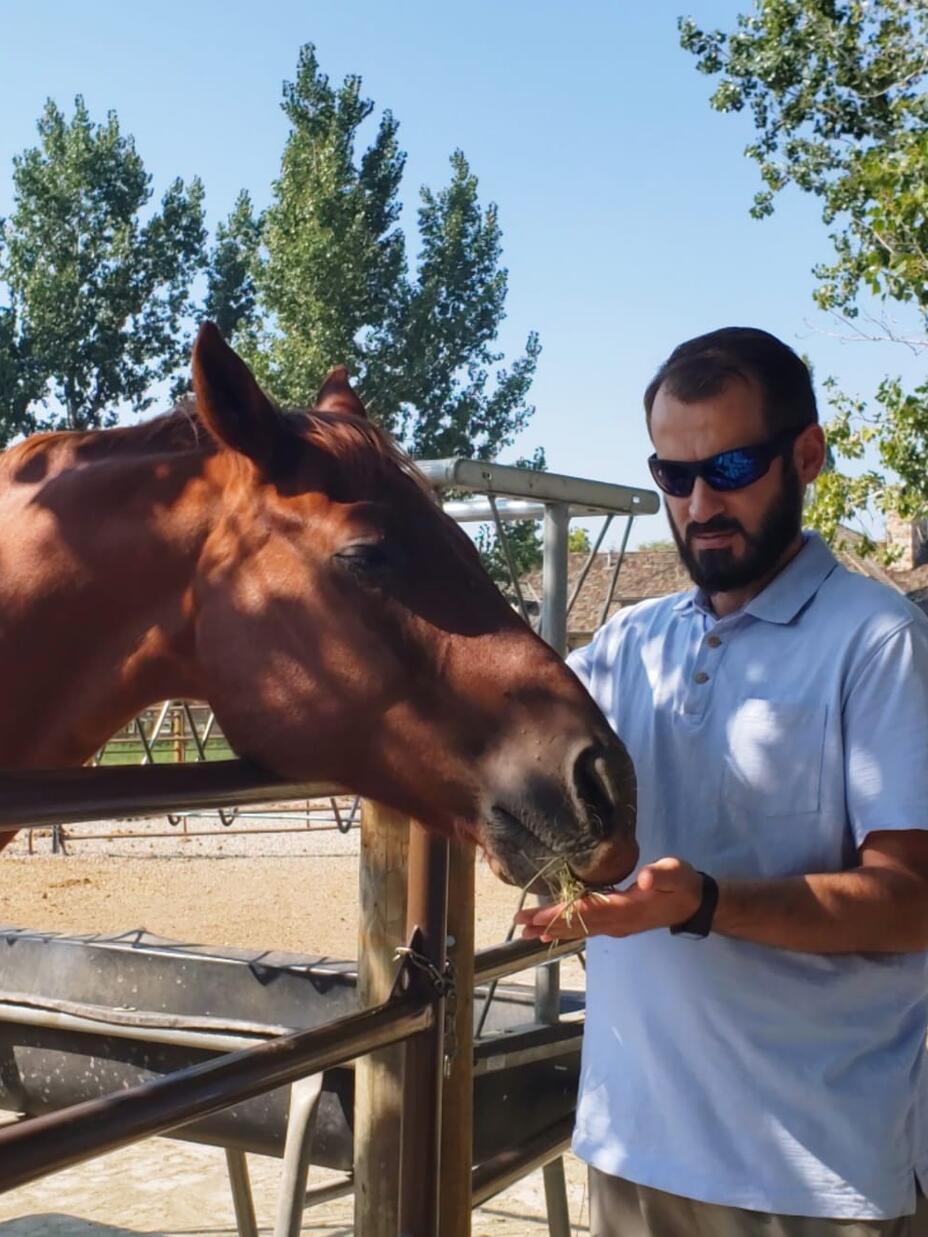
{"x":319,"y":1194}
{"x":523,"y":1047}
{"x":58,"y":1140}
{"x":479,"y":511}
{"x":61,"y":796}
{"x":142,"y":1019}
{"x":512,"y":956}
{"x":503,"y":480}
{"x":178,"y":831}
{"x":511,"y":1165}
{"x":210,"y":1041}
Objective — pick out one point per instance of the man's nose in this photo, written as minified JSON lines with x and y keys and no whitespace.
{"x":705,"y":502}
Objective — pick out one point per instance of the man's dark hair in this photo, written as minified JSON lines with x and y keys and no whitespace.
{"x":704,"y":366}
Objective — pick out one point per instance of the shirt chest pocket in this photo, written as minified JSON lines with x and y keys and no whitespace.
{"x":773,"y":761}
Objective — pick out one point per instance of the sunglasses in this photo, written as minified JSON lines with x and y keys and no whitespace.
{"x":729,"y":470}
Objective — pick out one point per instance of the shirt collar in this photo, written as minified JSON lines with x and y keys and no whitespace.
{"x":787,"y":593}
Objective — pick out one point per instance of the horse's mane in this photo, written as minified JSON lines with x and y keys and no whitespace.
{"x":172,"y":432}
{"x":355,"y":444}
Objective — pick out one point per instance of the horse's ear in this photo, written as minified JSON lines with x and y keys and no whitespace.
{"x":231,"y":404}
{"x":337,"y":395}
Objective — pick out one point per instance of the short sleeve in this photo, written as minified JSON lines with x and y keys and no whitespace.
{"x":886,"y":735}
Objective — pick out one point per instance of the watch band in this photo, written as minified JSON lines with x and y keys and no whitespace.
{"x":699,"y":924}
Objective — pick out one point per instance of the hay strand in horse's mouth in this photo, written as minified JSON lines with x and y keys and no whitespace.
{"x":566,"y":889}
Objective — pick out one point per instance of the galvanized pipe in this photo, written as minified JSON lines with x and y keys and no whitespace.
{"x":590,"y":560}
{"x":554,"y":630}
{"x":501,"y":960}
{"x":58,"y":1140}
{"x":177,"y":1037}
{"x":604,"y":614}
{"x":482,"y":476}
{"x":31,"y":798}
{"x":554,"y":601}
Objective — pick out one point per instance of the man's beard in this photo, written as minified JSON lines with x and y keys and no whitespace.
{"x":718,"y":571}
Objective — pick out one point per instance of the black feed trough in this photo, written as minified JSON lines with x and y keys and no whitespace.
{"x":525,"y":1074}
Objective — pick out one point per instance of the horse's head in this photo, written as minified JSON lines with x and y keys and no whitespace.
{"x":347,"y":631}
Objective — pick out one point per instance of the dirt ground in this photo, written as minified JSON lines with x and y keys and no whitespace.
{"x":295,"y":892}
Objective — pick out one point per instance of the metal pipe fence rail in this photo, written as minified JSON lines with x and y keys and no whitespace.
{"x":413,"y":1013}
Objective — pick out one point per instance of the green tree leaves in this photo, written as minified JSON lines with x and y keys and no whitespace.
{"x":96,"y":292}
{"x":836,"y":91}
{"x":332,"y":258}
{"x":323,"y":278}
{"x":231,"y":293}
{"x":97,"y":287}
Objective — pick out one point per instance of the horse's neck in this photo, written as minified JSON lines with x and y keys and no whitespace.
{"x":96,"y":618}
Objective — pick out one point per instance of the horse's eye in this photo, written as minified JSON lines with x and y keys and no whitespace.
{"x":364,"y":556}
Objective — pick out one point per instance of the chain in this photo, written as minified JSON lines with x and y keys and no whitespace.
{"x":443,"y":983}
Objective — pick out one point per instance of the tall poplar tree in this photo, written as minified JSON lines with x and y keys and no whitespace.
{"x":837,"y":93}
{"x":93,"y":289}
{"x":329,"y":281}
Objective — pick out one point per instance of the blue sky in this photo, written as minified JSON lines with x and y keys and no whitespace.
{"x":623,"y":197}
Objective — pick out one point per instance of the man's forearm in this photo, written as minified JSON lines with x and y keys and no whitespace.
{"x":881,"y":906}
{"x":864,"y":910}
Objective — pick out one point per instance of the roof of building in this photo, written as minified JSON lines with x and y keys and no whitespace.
{"x":656,"y":573}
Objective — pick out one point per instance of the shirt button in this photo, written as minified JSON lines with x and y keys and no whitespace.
{"x":713,"y":642}
{"x":700,"y":677}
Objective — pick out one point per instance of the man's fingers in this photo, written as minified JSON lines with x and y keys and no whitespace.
{"x":541,"y":915}
{"x":538,"y":915}
{"x":663,"y":876}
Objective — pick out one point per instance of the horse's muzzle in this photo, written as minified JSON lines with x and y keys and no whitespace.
{"x":582,"y":817}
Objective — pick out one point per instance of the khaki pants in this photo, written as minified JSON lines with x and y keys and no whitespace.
{"x":620,"y":1208}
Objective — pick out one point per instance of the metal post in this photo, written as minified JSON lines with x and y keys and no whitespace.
{"x":548,"y":978}
{"x":246,"y":1224}
{"x":427,"y":924}
{"x":291,"y":1194}
{"x":554,"y":603}
{"x":554,"y":630}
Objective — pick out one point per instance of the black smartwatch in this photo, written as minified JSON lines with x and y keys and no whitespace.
{"x":699,"y":924}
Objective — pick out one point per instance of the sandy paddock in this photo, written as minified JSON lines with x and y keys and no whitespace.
{"x":295,"y":892}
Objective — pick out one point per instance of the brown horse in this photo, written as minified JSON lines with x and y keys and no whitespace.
{"x":292,"y":569}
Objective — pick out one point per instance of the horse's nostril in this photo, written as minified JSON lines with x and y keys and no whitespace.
{"x":593,"y":789}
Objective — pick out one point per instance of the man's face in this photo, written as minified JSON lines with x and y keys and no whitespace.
{"x":727,"y":540}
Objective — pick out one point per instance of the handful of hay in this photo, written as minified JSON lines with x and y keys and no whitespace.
{"x":566,"y":889}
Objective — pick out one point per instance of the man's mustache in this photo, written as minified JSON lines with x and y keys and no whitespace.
{"x":718,"y":525}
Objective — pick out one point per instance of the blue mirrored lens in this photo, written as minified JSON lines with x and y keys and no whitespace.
{"x":732,"y":470}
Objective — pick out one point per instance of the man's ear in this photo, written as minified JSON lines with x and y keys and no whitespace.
{"x":810,"y":453}
{"x":231,"y":404}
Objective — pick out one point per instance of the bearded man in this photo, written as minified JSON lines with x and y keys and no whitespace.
{"x":757,"y":999}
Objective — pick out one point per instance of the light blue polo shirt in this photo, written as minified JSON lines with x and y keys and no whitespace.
{"x":767,"y":743}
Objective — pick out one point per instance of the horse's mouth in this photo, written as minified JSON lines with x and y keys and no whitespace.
{"x":520,"y":855}
{"x":543,"y":863}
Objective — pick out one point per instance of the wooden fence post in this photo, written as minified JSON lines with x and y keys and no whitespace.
{"x":379,"y":1076}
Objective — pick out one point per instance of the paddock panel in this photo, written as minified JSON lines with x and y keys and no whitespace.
{"x":43,"y":1068}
